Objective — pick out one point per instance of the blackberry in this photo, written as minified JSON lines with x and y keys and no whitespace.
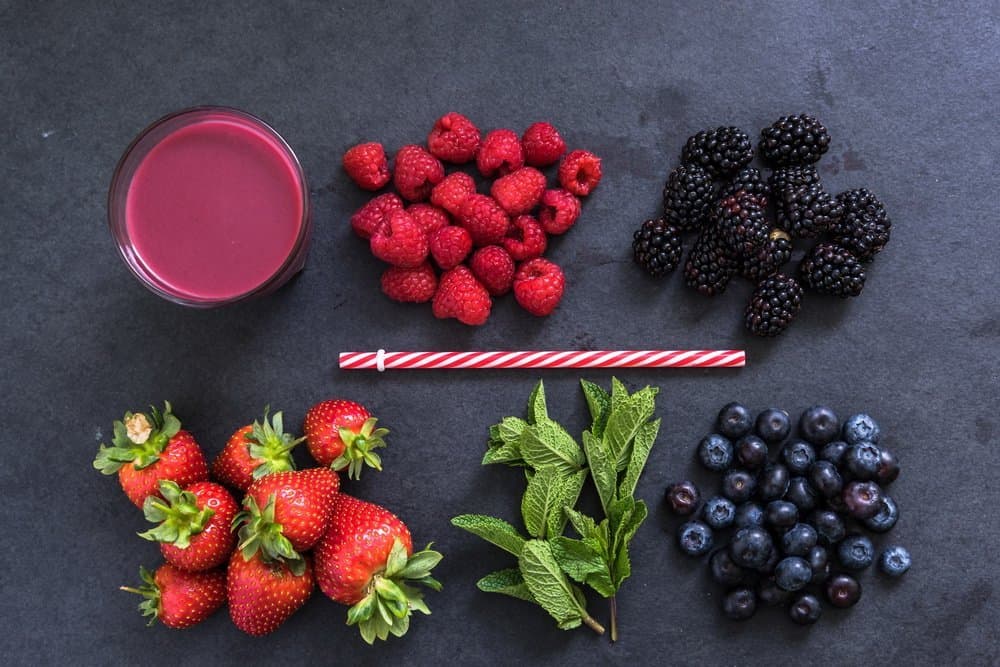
{"x":796,"y":177}
{"x":830,"y":269}
{"x":656,"y":246}
{"x":750,"y":181}
{"x":720,"y":151}
{"x":864,"y":227}
{"x":768,"y":259}
{"x":688,"y":197}
{"x":807,"y":211}
{"x":740,"y":224}
{"x":794,"y":140}
{"x":774,"y":304}
{"x":709,"y":268}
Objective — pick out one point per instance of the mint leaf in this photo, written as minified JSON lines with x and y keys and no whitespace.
{"x":602,"y":468}
{"x":509,"y":429}
{"x":493,"y":530}
{"x":548,"y":491}
{"x":547,"y":443}
{"x":507,"y":582}
{"x":548,"y":584}
{"x":536,"y":404}
{"x":509,"y":454}
{"x":643,"y":443}
{"x":567,"y":490}
{"x":627,"y":415}
{"x":626,"y":517}
{"x":582,"y":523}
{"x":599,"y":404}
{"x":584,"y":562}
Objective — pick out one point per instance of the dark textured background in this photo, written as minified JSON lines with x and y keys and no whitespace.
{"x":910,"y":93}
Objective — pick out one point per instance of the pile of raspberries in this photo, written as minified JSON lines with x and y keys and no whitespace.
{"x":456,"y":247}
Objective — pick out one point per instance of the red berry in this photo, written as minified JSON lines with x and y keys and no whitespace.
{"x":367,"y":165}
{"x":461,"y":296}
{"x":410,"y":285}
{"x":486,"y":221}
{"x":450,"y":246}
{"x":580,"y":172}
{"x":538,"y":286}
{"x":401,"y":241}
{"x":519,"y":191}
{"x":525,"y":239}
{"x":542,"y":145}
{"x":417,"y":172}
{"x":494,"y":268}
{"x":559,"y":211}
{"x":374,"y":214}
{"x":450,"y":193}
{"x":500,"y":154}
{"x":453,"y":139}
{"x":430,"y":218}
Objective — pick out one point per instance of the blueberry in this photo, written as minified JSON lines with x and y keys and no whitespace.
{"x":836,"y":503}
{"x":885,"y":518}
{"x":734,"y":421}
{"x":718,"y":512}
{"x":683,"y":497}
{"x":829,"y":526}
{"x":724,"y":570}
{"x":792,"y":573}
{"x":888,"y":467}
{"x":862,"y":460}
{"x":825,"y":478}
{"x":739,"y":604}
{"x":780,"y":515}
{"x":749,"y":514}
{"x":856,"y":552}
{"x":799,"y":539}
{"x":798,"y":455}
{"x":861,"y":427}
{"x":738,"y":485}
{"x":862,"y":499}
{"x":694,"y":538}
{"x":834,"y":452}
{"x":805,"y":609}
{"x":843,"y":590}
{"x":801,"y":494}
{"x":895,"y":561}
{"x":715,"y":452}
{"x":751,"y":452}
{"x":773,"y":426}
{"x":819,"y":425}
{"x":819,"y":560}
{"x":751,"y":547}
{"x":772,"y":561}
{"x":773,"y":482}
{"x":769,"y":593}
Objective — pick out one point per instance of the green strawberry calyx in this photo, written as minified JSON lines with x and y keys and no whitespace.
{"x":259,"y":532}
{"x":390,"y":600}
{"x":358,"y":448}
{"x":177,"y":514}
{"x":138,"y":439}
{"x":151,"y":604}
{"x":271,"y":446}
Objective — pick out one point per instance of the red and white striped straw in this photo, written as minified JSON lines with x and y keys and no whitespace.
{"x":382,"y":360}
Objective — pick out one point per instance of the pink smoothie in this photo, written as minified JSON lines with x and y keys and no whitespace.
{"x":215,"y":208}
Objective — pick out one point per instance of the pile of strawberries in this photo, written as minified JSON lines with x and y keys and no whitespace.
{"x":484,"y":245}
{"x":263,"y":534}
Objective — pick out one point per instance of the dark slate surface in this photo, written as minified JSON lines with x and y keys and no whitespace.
{"x":910,"y":93}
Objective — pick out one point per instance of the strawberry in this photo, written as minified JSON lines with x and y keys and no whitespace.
{"x":342,"y":434}
{"x":180,"y":599}
{"x":365,"y":559}
{"x":285,"y":514}
{"x":194,"y":524}
{"x":263,"y":595}
{"x":253,"y":451}
{"x":146,"y":449}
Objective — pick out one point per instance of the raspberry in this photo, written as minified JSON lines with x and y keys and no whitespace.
{"x":417,"y":172}
{"x":372,"y":215}
{"x":499,"y":154}
{"x":367,"y":166}
{"x":400,"y":242}
{"x":486,"y":221}
{"x":538,"y":286}
{"x":560,"y":209}
{"x":580,"y":172}
{"x":431,"y":218}
{"x":494,"y":268}
{"x":450,"y":193}
{"x":415,"y":285}
{"x":453,"y":139}
{"x":542,"y":145}
{"x":525,"y":239}
{"x":519,"y":191}
{"x":450,"y":246}
{"x":461,"y":296}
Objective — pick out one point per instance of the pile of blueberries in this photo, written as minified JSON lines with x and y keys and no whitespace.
{"x":798,"y":522}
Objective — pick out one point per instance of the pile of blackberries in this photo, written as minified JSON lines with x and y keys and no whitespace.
{"x":797,"y":523}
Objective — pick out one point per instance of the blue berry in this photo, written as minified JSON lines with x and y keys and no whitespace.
{"x":843,"y":590}
{"x":799,"y":539}
{"x":773,"y":482}
{"x":773,"y":426}
{"x":739,"y":604}
{"x":734,"y":421}
{"x":862,"y":460}
{"x":738,"y":485}
{"x":888,"y":468}
{"x":829,"y":526}
{"x":749,"y":514}
{"x":792,"y":573}
{"x":819,"y":425}
{"x":862,"y":499}
{"x":769,"y":593}
{"x":885,"y":518}
{"x":771,"y":562}
{"x":834,"y":452}
{"x":805,"y":609}
{"x":719,"y":512}
{"x":751,"y":547}
{"x":819,"y":561}
{"x":824,"y":477}
{"x":715,"y":452}
{"x":780,"y":515}
{"x":895,"y":561}
{"x":856,"y":552}
{"x":751,"y":452}
{"x":724,"y":570}
{"x":695,"y":538}
{"x":798,"y":455}
{"x":801,"y":494}
{"x":861,"y":427}
{"x":683,"y":497}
